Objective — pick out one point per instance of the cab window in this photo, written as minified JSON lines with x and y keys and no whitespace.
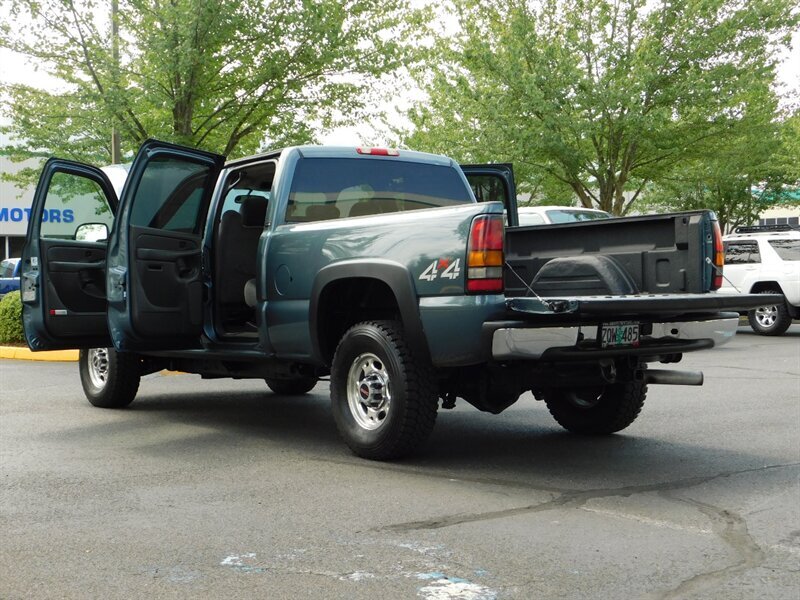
{"x":333,"y":188}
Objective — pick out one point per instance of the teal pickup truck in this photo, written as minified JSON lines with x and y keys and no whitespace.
{"x":394,"y":272}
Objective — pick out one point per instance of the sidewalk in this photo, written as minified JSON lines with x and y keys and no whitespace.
{"x":22,"y":353}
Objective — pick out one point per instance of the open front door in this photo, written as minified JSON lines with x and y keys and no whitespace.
{"x":155,"y":275}
{"x":494,"y":183}
{"x":63,"y":281}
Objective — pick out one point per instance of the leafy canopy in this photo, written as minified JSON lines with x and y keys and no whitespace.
{"x":600,"y":98}
{"x":222,"y":75}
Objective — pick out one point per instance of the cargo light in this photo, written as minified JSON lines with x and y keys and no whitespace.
{"x":719,"y":256}
{"x":485,"y":255}
{"x":378,"y":151}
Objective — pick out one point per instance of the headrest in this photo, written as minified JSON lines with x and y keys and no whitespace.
{"x":253,"y":210}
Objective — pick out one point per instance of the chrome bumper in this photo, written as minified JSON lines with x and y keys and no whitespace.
{"x":531,"y":342}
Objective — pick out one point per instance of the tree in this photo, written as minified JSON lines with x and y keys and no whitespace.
{"x":598,"y":98}
{"x":754,"y":171}
{"x":215,"y":74}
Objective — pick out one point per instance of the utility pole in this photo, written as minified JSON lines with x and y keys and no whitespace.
{"x":116,"y":146}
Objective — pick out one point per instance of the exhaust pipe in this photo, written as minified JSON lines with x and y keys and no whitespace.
{"x":661,"y":377}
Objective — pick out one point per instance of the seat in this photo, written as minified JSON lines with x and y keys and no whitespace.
{"x":237,"y":241}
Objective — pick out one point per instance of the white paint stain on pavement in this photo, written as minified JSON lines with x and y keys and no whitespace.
{"x":244,"y":563}
{"x":357,"y":576}
{"x":442,"y":587}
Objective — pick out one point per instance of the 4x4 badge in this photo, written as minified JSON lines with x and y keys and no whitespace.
{"x":449,"y":270}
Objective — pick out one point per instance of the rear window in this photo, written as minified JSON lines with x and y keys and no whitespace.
{"x":786,"y":249}
{"x":333,"y":188}
{"x":571,"y":216}
{"x":739,"y":253}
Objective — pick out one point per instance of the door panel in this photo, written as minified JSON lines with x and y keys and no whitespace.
{"x":155,"y":277}
{"x":167,"y":286}
{"x":63,"y":278}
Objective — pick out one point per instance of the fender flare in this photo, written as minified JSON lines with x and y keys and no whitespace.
{"x":394,"y":275}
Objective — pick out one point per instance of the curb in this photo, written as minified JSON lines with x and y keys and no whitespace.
{"x":18,"y":353}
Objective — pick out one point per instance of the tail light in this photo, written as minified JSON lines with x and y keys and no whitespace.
{"x":485,"y":255}
{"x":718,"y":256}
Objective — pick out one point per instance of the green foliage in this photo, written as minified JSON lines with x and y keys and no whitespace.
{"x":11,"y":319}
{"x":223,"y":75}
{"x":755,"y":170}
{"x":597,"y":98}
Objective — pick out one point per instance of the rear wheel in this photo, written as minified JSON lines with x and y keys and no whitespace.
{"x":110,"y":379}
{"x":597,"y":410}
{"x":770,"y":319}
{"x":384,"y":399}
{"x":292,"y":387}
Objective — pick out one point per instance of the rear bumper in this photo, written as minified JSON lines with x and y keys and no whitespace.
{"x":514,"y":341}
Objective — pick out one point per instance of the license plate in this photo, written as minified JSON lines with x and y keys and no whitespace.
{"x":619,"y":333}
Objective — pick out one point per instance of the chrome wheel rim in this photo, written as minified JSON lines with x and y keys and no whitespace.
{"x":369,"y":392}
{"x":767,"y":315}
{"x":98,"y":366}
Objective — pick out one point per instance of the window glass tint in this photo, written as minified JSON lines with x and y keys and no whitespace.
{"x":572,"y":216}
{"x":332,"y":188}
{"x":170,"y":195}
{"x":73,"y":201}
{"x":737,"y":253}
{"x":786,"y":249}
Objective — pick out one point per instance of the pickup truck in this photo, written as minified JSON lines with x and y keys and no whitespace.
{"x":377,"y":267}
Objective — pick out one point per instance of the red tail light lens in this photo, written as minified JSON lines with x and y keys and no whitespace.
{"x":485,"y":255}
{"x":719,"y":257}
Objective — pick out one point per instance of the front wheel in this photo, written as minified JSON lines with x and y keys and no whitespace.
{"x":770,"y":319}
{"x":597,"y":410}
{"x":384,"y":399}
{"x":110,"y":379}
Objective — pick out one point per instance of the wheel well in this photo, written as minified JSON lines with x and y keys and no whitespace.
{"x":766,"y":286}
{"x":345,"y":302}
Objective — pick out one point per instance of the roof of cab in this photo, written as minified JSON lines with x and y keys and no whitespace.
{"x":347,"y":152}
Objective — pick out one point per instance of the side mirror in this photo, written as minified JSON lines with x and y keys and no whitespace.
{"x":92,"y":232}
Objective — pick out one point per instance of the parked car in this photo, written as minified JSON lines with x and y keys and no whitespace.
{"x":9,"y":275}
{"x":765,"y":259}
{"x":548,"y":215}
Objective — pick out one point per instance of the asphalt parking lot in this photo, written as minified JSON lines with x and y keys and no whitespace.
{"x":220,"y":489}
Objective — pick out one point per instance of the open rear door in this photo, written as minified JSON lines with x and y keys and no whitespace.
{"x":155,"y":275}
{"x":63,"y":283}
{"x":494,"y":183}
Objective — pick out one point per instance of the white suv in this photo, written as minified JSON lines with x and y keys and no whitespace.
{"x":765,"y":259}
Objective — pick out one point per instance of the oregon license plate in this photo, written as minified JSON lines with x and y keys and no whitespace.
{"x":619,"y":333}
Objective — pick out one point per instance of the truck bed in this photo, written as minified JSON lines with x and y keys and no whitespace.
{"x":653,"y":254}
